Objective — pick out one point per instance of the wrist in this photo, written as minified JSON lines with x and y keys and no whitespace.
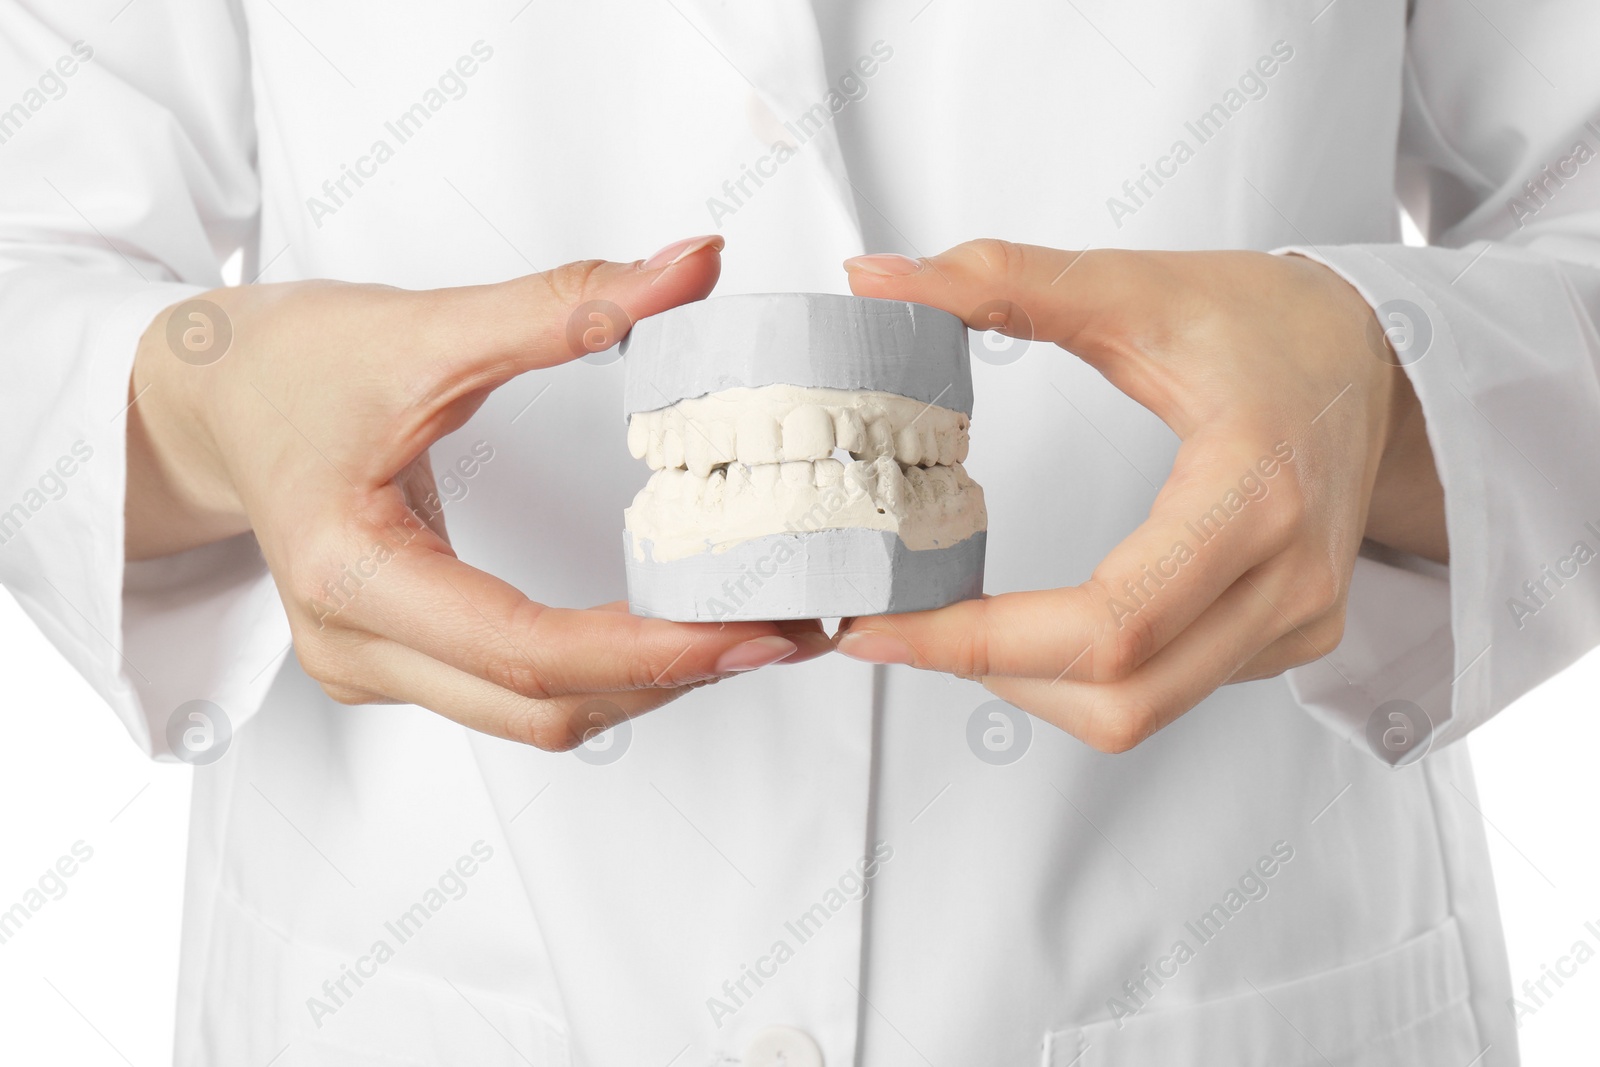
{"x":1407,"y":506}
{"x":178,"y":493}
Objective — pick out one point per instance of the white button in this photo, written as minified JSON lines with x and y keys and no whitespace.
{"x":782,"y":1046}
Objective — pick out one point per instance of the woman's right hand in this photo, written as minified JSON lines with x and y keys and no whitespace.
{"x":312,"y":430}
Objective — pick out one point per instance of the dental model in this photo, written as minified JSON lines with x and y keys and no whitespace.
{"x":807,"y":452}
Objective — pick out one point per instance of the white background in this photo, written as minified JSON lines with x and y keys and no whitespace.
{"x":90,"y":980}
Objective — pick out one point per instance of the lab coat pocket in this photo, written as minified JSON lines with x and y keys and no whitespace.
{"x":297,"y":1003}
{"x":1406,"y":1007}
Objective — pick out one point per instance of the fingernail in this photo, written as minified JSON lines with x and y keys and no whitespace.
{"x":754,"y":654}
{"x":888,"y":264}
{"x":681,"y":250}
{"x":875,"y":648}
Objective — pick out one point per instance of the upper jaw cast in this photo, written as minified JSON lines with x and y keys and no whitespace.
{"x":779,"y":424}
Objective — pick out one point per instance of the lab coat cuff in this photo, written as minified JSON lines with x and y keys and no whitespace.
{"x":1414,"y":630}
{"x":66,"y":561}
{"x":151,"y":635}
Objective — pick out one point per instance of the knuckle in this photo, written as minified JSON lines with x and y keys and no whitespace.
{"x":335,"y":670}
{"x":1123,"y":646}
{"x":1302,"y":645}
{"x":346,"y":695}
{"x":1285,"y":515}
{"x":519,"y":676}
{"x":1319,"y":592}
{"x":1122,"y":728}
{"x":517,"y":670}
{"x":544,"y":726}
{"x":571,"y":282}
{"x":993,"y":257}
{"x":657,"y":673}
{"x":971,"y":652}
{"x":321,"y":662}
{"x":317,"y":590}
{"x":1330,"y":630}
{"x":331,"y":567}
{"x":1325,"y":634}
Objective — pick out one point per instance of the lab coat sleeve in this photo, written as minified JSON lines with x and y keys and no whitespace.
{"x":126,"y":178}
{"x":1495,"y":323}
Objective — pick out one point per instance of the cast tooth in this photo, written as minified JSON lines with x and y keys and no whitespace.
{"x":859,"y":477}
{"x":719,"y":434}
{"x":880,"y":439}
{"x":652,"y":448}
{"x":929,"y":439}
{"x":764,"y":478}
{"x":758,"y":439}
{"x":807,"y":433}
{"x":908,"y":446}
{"x":921,"y":488}
{"x":828,"y":472}
{"x":672,"y":447}
{"x":963,"y":440}
{"x":714,"y":486}
{"x":638,"y":435}
{"x":892,"y":488}
{"x":667,"y":484}
{"x":946,"y":440}
{"x":796,"y":473}
{"x":691,"y":488}
{"x":852,"y":434}
{"x":697,"y":450}
{"x":672,"y":429}
{"x":738,"y":478}
{"x":962,"y":479}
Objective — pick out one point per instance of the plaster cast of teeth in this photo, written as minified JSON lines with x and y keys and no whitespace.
{"x":808,"y":456}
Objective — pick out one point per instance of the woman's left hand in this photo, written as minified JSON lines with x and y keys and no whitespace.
{"x":1300,"y":437}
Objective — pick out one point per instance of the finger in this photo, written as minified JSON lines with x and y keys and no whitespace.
{"x":1217,"y":517}
{"x":466,"y":342}
{"x":473,"y":622}
{"x":1305,"y":642}
{"x":1116,"y":716}
{"x":549,"y":318}
{"x":349,"y":694}
{"x":1084,"y":301}
{"x":555,"y":724}
{"x":807,"y":634}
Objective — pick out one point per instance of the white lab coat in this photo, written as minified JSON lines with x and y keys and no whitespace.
{"x":613,"y":909}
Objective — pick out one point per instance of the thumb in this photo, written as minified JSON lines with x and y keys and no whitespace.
{"x":1081,"y":301}
{"x":555,"y":316}
{"x":467,"y":342}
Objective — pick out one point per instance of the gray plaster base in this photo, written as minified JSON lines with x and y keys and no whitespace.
{"x":814,"y":575}
{"x":824,"y":340}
